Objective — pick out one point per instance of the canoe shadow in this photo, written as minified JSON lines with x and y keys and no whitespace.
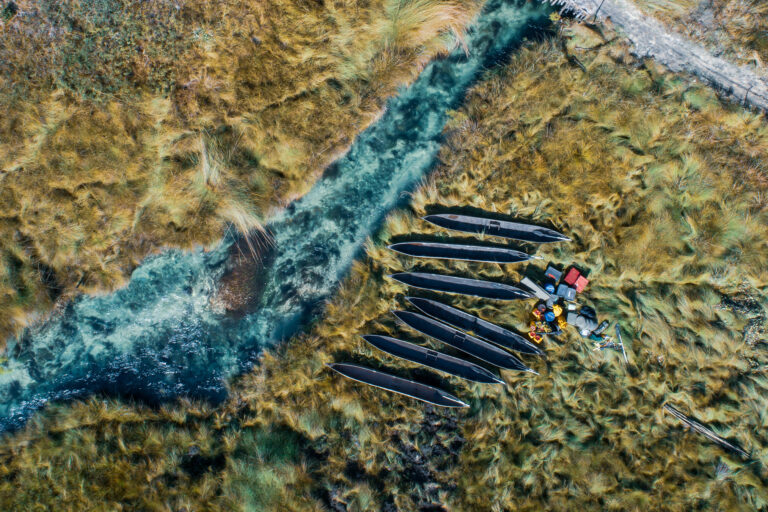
{"x":538,"y":274}
{"x":436,"y":209}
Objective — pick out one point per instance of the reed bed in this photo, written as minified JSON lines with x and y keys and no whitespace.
{"x":661,"y":186}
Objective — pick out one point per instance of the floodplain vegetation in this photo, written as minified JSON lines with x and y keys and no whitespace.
{"x":663,"y":189}
{"x":737,"y":30}
{"x":128,"y":127}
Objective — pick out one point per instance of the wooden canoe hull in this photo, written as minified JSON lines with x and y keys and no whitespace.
{"x":481,"y":328}
{"x":432,"y":359}
{"x":395,"y":384}
{"x":500,"y":228}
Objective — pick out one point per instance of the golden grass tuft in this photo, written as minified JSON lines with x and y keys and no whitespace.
{"x":415,"y":23}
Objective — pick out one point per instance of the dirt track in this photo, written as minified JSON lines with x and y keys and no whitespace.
{"x":652,"y":39}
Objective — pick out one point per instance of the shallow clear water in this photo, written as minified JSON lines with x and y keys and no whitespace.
{"x":162,"y":336}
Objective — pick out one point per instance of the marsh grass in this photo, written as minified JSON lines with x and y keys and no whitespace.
{"x":132,"y":126}
{"x":659,"y":185}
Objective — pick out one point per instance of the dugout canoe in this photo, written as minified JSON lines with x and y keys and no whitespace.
{"x":399,"y":385}
{"x":460,"y":252}
{"x":500,"y":228}
{"x":432,"y":359}
{"x":481,"y":328}
{"x":461,"y":341}
{"x":705,"y":431}
{"x":461,"y":286}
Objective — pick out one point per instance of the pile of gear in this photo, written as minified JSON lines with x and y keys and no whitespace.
{"x":557,"y":308}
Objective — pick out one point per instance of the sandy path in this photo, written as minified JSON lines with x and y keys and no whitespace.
{"x":652,"y":39}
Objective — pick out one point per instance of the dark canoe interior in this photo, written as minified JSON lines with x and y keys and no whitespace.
{"x":461,"y":285}
{"x":482,"y":328}
{"x":460,"y":252}
{"x":462,"y":341}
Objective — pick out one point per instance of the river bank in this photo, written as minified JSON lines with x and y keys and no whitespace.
{"x":165,"y":334}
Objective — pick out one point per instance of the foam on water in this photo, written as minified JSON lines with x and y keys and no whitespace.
{"x":160,"y":337}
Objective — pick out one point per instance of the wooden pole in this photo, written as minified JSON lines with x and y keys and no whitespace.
{"x":705,"y":431}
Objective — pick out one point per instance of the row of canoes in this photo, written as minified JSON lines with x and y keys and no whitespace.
{"x":443,"y":324}
{"x":471,"y":345}
{"x":484,"y":253}
{"x":449,"y":325}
